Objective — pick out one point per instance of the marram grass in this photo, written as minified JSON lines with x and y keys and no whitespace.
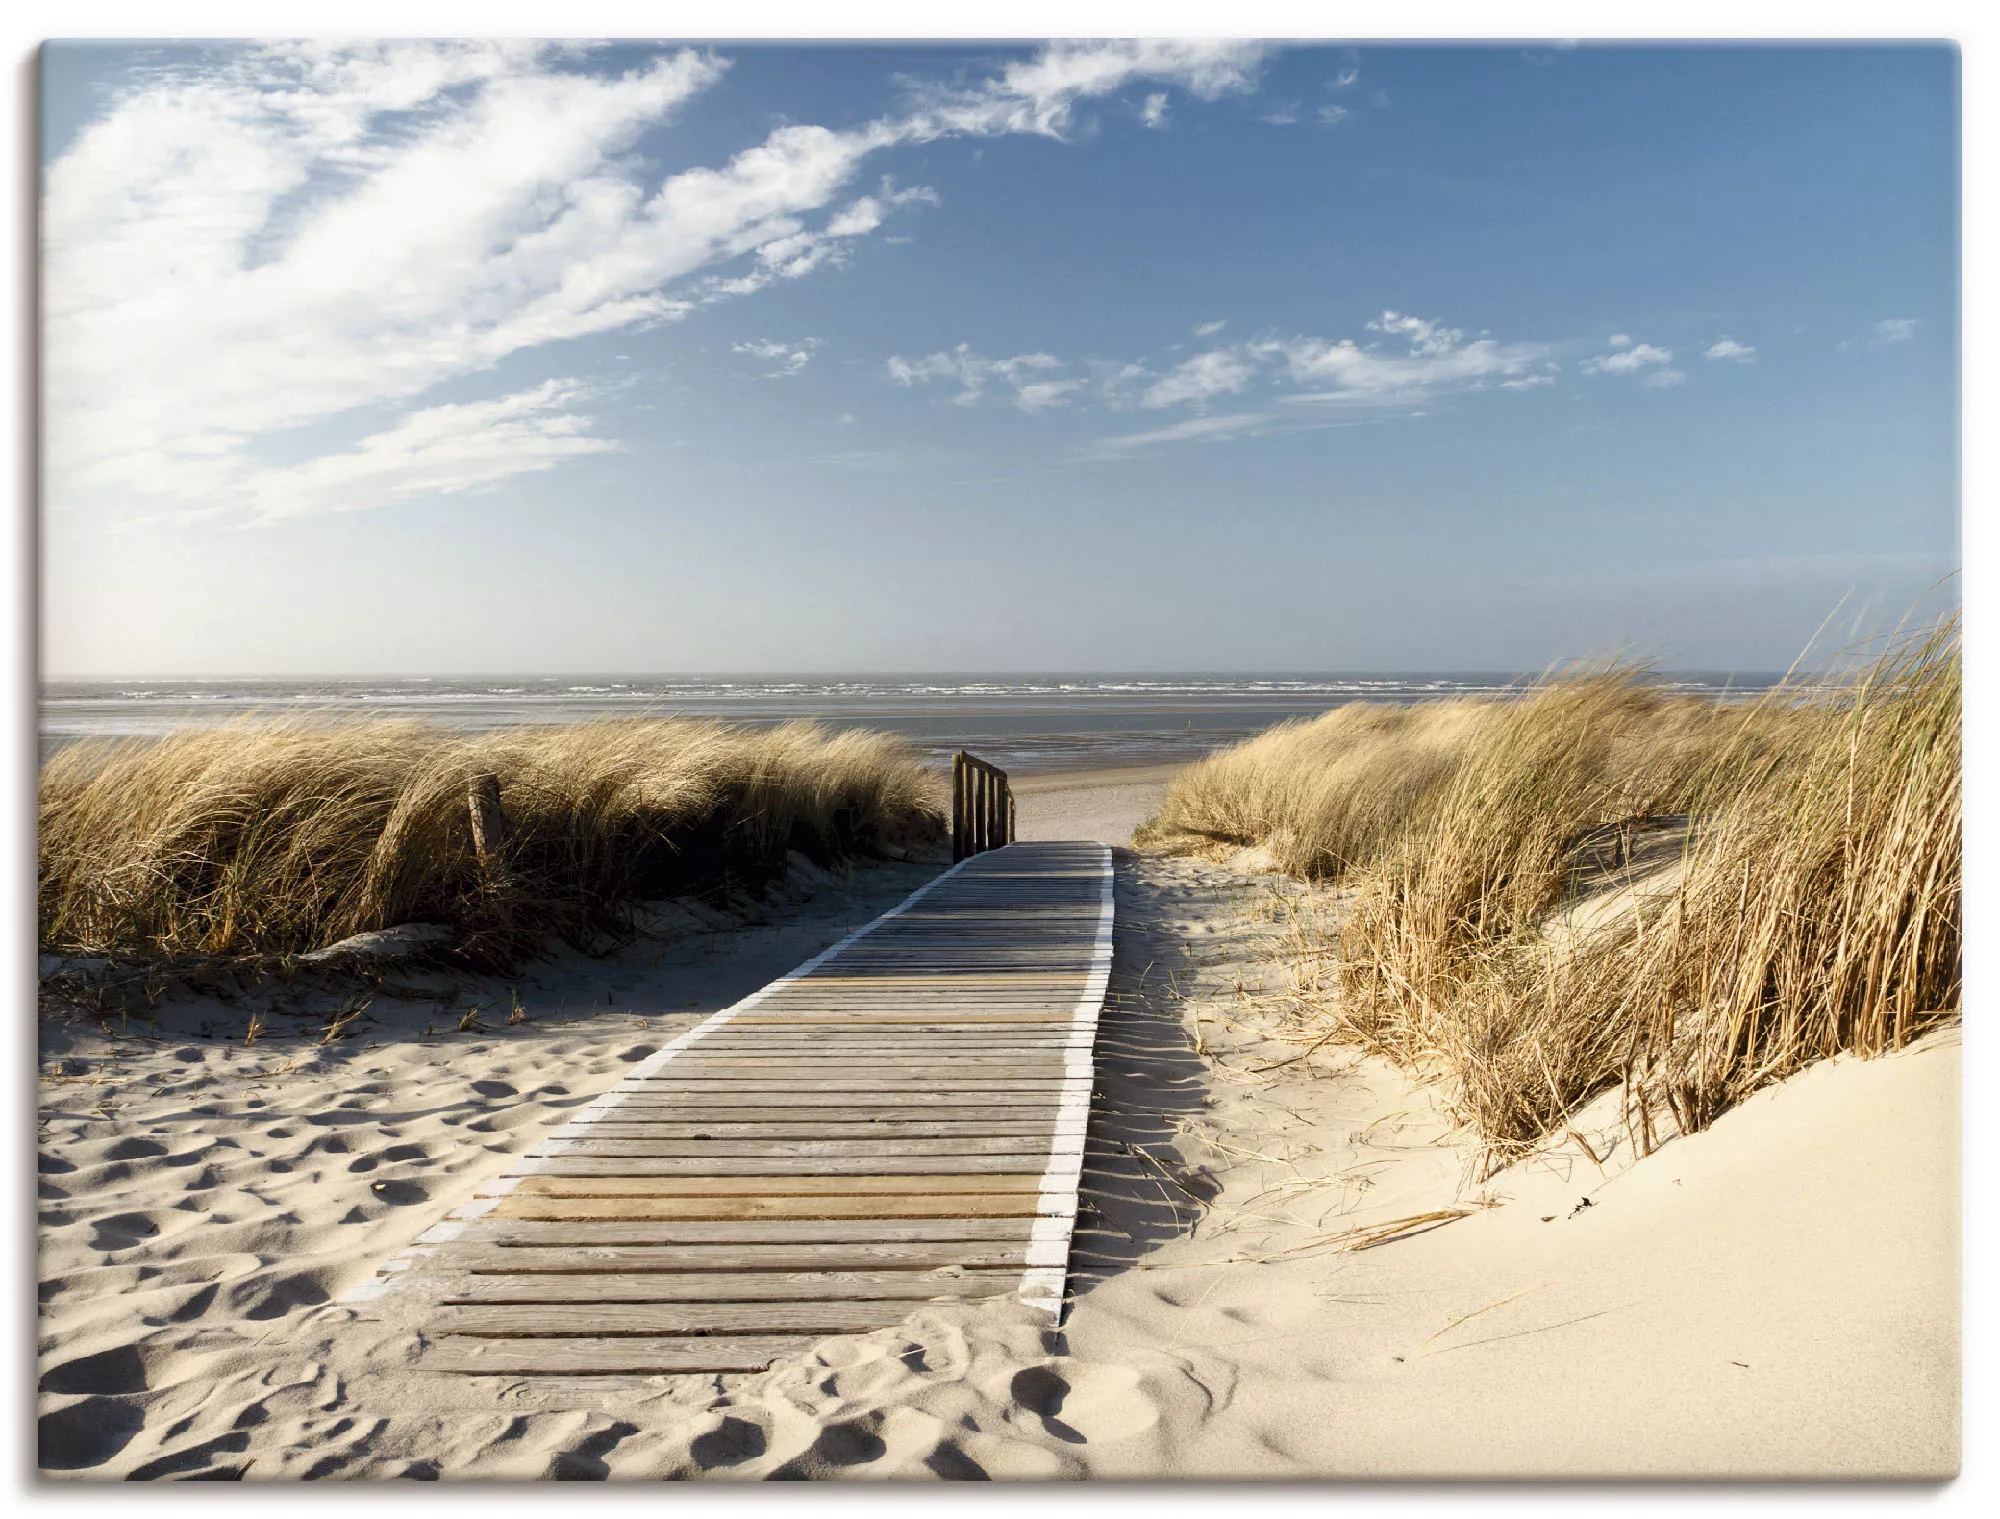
{"x":277,"y":836}
{"x":1815,"y":910}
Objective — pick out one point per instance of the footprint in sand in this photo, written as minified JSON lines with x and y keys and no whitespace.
{"x":1085,"y":1404}
{"x":119,"y":1369}
{"x":85,"y":1434}
{"x":121,"y":1231}
{"x":730,"y":1443}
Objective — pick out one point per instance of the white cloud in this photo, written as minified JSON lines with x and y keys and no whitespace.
{"x":1199,"y":379}
{"x":1438,"y":358}
{"x":783,"y":358}
{"x":1621,"y":340}
{"x":1409,"y":360}
{"x":1030,"y":377}
{"x":305,"y":232}
{"x":1729,"y":348}
{"x":1209,"y":329}
{"x":440,"y":450}
{"x":1897,"y":329}
{"x":1154,"y":112}
{"x":1285,"y":115}
{"x":1332,"y":115}
{"x":1040,"y":94}
{"x":1205,"y":429}
{"x":1628,"y":360}
{"x":1663,"y":379}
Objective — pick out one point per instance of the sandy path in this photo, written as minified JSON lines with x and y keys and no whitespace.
{"x":1105,"y":805}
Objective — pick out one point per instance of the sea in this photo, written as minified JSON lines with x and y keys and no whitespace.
{"x":1025,"y":723}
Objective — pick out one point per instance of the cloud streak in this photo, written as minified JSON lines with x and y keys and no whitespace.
{"x":239,"y":250}
{"x":1402,"y":361}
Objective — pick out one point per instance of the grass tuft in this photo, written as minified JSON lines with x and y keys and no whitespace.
{"x":1813,"y":908}
{"x":279,"y":836}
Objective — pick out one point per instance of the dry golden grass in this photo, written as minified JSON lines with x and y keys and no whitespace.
{"x":1817,"y":909}
{"x":279,"y":836}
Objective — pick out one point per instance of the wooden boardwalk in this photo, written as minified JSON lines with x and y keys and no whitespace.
{"x":899,"y":1120}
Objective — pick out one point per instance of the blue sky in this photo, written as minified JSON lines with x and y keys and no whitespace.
{"x":496,"y":357}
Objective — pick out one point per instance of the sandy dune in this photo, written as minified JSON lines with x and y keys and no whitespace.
{"x":1775,"y":1297}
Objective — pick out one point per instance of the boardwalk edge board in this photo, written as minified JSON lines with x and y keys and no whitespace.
{"x":1027,"y":910}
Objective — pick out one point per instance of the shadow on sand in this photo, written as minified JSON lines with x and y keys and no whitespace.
{"x":1137,"y":1192}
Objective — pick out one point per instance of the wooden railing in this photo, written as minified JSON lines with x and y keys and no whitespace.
{"x":982,"y":807}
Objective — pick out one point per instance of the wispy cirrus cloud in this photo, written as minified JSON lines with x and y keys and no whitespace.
{"x":1247,"y":424}
{"x":1032,"y":381}
{"x":439,"y":450}
{"x":1896,"y":329}
{"x":1401,"y":361}
{"x":783,"y":359}
{"x":278,"y":236}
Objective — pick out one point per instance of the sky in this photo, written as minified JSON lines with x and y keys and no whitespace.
{"x":471,"y":357}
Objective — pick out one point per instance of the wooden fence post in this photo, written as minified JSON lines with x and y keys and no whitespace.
{"x":489,"y":826}
{"x":958,"y":809}
{"x":489,"y":842}
{"x":982,"y":807}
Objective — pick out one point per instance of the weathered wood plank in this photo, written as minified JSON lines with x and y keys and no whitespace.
{"x":901,"y":1102}
{"x":773,"y":1188}
{"x":889,"y":1080}
{"x":789,"y":1149}
{"x":1001,"y":1259}
{"x":692,"y":1209}
{"x":591,"y":1356}
{"x":957,"y":1229}
{"x":809,"y":1019}
{"x":759,"y":1168}
{"x":678,"y":1128}
{"x":606,"y":1320}
{"x":734,"y":1286}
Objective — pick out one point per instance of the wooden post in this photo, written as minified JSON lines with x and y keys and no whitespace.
{"x":983,"y":783}
{"x":982,"y":807}
{"x":489,"y":842}
{"x":958,"y":807}
{"x":489,"y":827}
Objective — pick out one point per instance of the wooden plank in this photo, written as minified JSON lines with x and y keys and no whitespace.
{"x":789,"y":1149}
{"x":692,"y":1209}
{"x":633,"y":1356}
{"x":901,"y":1103}
{"x":669,"y":1127}
{"x":772,"y":1188}
{"x":894,"y":1083}
{"x":833,"y":1120}
{"x":980,"y":1063}
{"x":893,"y":1020}
{"x":668,"y":1260}
{"x":734,"y":1286}
{"x":960,"y":1229}
{"x":612,"y":1319}
{"x":775,"y":1167}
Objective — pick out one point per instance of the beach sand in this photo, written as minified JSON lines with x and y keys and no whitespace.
{"x":1775,"y":1297}
{"x":1105,"y":805}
